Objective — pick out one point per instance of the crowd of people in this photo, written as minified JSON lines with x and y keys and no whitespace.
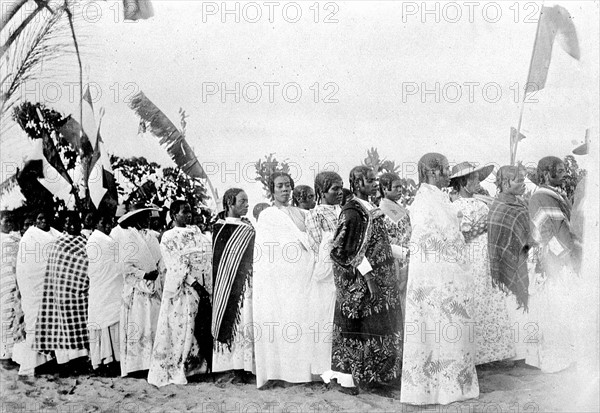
{"x":347,"y":286}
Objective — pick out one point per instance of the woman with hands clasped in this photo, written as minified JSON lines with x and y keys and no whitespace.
{"x":493,"y":334}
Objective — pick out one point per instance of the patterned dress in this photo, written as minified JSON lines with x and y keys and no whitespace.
{"x":367,"y":336}
{"x":439,"y":350}
{"x":493,"y":333}
{"x":62,"y":322}
{"x":397,"y":223}
{"x":187,"y":255}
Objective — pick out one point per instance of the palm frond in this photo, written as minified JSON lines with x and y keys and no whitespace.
{"x":29,"y":60}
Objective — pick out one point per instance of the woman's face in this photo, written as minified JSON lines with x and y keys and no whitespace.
{"x":473,"y":183}
{"x":41,"y":222}
{"x":72,"y":226}
{"x":395,"y":193}
{"x":308,"y":201}
{"x":335,"y":194}
{"x":6,"y":225}
{"x":184,"y":216}
{"x":368,"y":186}
{"x":240,"y":206}
{"x":282,"y":190}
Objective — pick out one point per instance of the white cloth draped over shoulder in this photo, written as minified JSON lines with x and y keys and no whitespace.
{"x":31,"y":270}
{"x":106,"y":281}
{"x":322,"y":222}
{"x":139,"y":253}
{"x":282,"y":276}
{"x":439,"y":347}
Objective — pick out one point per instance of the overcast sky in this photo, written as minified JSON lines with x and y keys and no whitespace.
{"x":368,"y":68}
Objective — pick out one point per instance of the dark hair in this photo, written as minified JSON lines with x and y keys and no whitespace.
{"x":547,"y":164}
{"x":459,"y":182}
{"x":429,"y":162}
{"x":323,"y":182}
{"x":386,"y":180}
{"x":229,"y":198}
{"x":507,"y":172}
{"x":276,"y":175}
{"x":358,"y":174}
{"x":176,"y":207}
{"x":300,"y":194}
{"x":347,"y":195}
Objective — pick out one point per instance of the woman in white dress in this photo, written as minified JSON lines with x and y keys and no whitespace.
{"x":493,"y":333}
{"x":321,"y":223}
{"x":282,"y":273}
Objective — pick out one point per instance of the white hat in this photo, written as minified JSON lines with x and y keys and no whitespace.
{"x":136,"y":209}
{"x":467,"y":168}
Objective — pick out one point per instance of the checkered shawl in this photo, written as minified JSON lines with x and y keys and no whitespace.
{"x":509,"y":240}
{"x":63,"y":315}
{"x":320,"y":219}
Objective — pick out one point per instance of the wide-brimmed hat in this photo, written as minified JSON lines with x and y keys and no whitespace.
{"x":136,"y":209}
{"x":467,"y":168}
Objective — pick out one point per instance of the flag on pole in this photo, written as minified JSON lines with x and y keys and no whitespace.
{"x":101,"y":178}
{"x":88,"y":123}
{"x":554,"y":22}
{"x":71,"y":132}
{"x":513,"y":135}
{"x":44,"y":162}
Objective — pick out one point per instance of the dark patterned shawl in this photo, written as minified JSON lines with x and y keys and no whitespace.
{"x":509,"y":240}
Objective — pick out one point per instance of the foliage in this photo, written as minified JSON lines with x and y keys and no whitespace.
{"x":40,"y":122}
{"x":27,"y":115}
{"x":265,"y":168}
{"x":381,"y":166}
{"x":574,"y":175}
{"x":32,"y":45}
{"x":149,"y":183}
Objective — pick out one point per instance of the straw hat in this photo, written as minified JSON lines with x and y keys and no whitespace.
{"x":467,"y":168}
{"x":136,"y":209}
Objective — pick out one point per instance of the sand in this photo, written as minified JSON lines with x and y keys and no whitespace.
{"x":503,"y":389}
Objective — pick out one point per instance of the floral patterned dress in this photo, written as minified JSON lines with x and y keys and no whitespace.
{"x":438,"y":364}
{"x":493,"y":334}
{"x":187,"y":254}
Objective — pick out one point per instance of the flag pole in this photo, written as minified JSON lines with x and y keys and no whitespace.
{"x":513,"y":145}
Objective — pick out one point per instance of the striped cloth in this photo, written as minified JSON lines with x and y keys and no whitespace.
{"x":63,"y":315}
{"x":233,"y":249}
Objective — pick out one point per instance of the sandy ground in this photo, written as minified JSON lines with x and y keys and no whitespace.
{"x":503,"y":389}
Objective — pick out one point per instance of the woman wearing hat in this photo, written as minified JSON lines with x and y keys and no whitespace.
{"x":141,"y":264}
{"x":492,"y":326}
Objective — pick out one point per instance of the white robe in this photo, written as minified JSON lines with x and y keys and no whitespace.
{"x":31,"y":270}
{"x":282,"y":276}
{"x":139,"y":253}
